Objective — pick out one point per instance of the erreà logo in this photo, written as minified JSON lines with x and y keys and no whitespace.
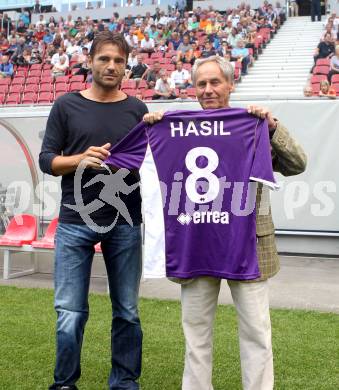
{"x":204,"y":217}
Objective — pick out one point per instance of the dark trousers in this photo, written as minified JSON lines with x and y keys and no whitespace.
{"x":315,"y":10}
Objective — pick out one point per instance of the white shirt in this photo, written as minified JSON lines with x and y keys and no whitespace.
{"x":132,"y":41}
{"x":132,"y":61}
{"x":147,"y":44}
{"x":179,"y":77}
{"x":162,"y":87}
{"x":56,"y":59}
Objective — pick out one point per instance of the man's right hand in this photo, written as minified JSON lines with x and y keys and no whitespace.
{"x":91,"y":158}
{"x":95,"y":155}
{"x":153,"y":117}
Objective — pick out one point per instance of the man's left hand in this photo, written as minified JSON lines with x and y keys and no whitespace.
{"x":263,"y":113}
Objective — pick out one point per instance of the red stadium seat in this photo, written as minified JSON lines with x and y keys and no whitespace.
{"x":2,"y":98}
{"x":77,"y":78}
{"x":323,"y":61}
{"x":29,"y":98}
{"x":36,"y":67}
{"x":142,"y":84}
{"x":148,"y":94}
{"x":21,"y":230}
{"x":32,"y":80}
{"x":336,"y":87}
{"x":47,"y":241}
{"x":47,"y":67}
{"x":5,"y":81}
{"x":32,"y":88}
{"x":46,"y":73}
{"x":62,"y":79}
{"x":335,"y":79}
{"x":46,"y":87}
{"x":61,"y":87}
{"x":17,"y":88}
{"x":316,"y":78}
{"x":18,"y":80}
{"x":316,"y":88}
{"x":77,"y":87}
{"x":156,"y":55}
{"x":321,"y":69}
{"x":46,"y":80}
{"x":128,"y":84}
{"x":35,"y":73}
{"x":3,"y":89}
{"x":45,"y":97}
{"x":13,"y":98}
{"x":60,"y":93}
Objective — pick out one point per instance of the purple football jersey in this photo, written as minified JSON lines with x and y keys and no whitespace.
{"x":198,"y":173}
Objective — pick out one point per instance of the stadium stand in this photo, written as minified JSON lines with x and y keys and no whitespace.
{"x":326,"y":59}
{"x":49,"y":58}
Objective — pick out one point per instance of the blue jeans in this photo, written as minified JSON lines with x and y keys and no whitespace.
{"x":121,"y":248}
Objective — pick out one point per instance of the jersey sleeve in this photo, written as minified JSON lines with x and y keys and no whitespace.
{"x":130,"y":151}
{"x":262,"y":170}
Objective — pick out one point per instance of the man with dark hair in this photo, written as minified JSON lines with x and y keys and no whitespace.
{"x":97,"y":205}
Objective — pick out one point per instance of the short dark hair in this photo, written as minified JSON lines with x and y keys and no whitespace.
{"x":105,"y":37}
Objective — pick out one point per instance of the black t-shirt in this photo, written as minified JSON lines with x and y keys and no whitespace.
{"x":138,"y":71}
{"x":325,"y":49}
{"x":76,"y":123}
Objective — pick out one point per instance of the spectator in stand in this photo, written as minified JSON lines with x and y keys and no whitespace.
{"x":196,"y":51}
{"x":41,"y":21}
{"x":6,"y":68}
{"x":72,"y":48}
{"x":329,"y":30}
{"x":164,"y":87}
{"x":13,"y":45}
{"x":35,"y":56}
{"x":294,"y":7}
{"x":208,"y":50}
{"x":24,"y":59}
{"x":48,"y":37}
{"x":308,"y":91}
{"x":56,"y":59}
{"x":131,"y":39}
{"x":161,"y":47}
{"x":37,"y":7}
{"x":132,"y":59}
{"x":240,"y":53}
{"x":24,"y":17}
{"x":325,"y":49}
{"x":82,"y":63}
{"x":60,"y":68}
{"x":326,"y":90}
{"x":315,"y":10}
{"x":153,"y":75}
{"x":334,"y":64}
{"x":147,"y":44}
{"x":185,"y":51}
{"x":183,"y":95}
{"x":139,"y":71}
{"x":181,"y":77}
{"x":39,"y":35}
{"x":233,"y":37}
{"x":21,"y":29}
{"x":175,"y":41}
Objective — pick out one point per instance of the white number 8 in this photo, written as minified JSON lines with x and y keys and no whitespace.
{"x":202,"y":173}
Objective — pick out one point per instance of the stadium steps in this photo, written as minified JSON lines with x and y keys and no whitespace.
{"x":283,"y":68}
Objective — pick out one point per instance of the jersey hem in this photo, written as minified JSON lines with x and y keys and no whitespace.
{"x":194,"y":274}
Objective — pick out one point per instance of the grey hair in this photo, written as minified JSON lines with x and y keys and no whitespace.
{"x":225,"y":67}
